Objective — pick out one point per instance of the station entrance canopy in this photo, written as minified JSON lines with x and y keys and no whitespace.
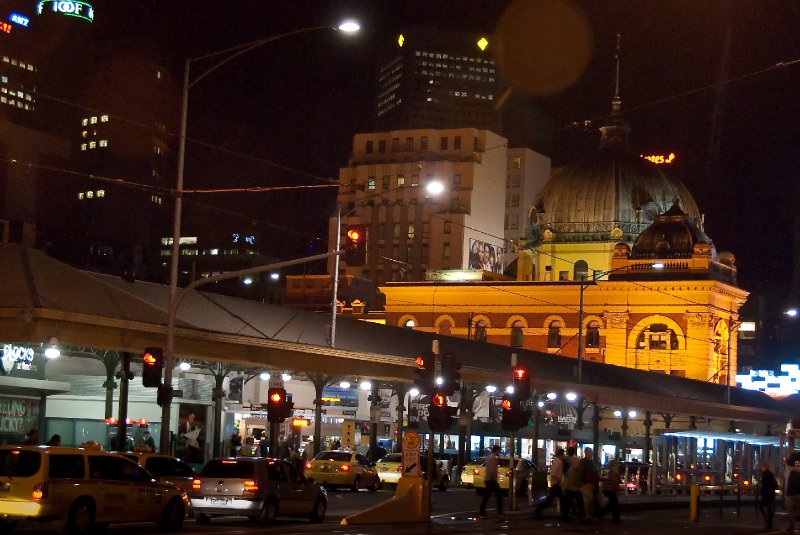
{"x":43,"y":298}
{"x":754,"y":440}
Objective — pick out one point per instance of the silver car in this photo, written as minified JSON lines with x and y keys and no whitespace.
{"x":258,"y":488}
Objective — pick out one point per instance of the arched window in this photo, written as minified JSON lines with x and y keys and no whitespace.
{"x":517,"y":336}
{"x":410,"y":324}
{"x":480,"y":331}
{"x":593,"y":334}
{"x":554,"y":334}
{"x":580,"y":271}
{"x":444,"y":327}
{"x":657,"y":337}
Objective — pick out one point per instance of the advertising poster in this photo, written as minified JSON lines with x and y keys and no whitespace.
{"x":485,"y":256}
{"x":190,"y":438}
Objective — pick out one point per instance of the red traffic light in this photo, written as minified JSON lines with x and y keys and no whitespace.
{"x":506,"y":404}
{"x":149,"y":359}
{"x":520,"y":373}
{"x":275,"y":397}
{"x":354,"y":234}
{"x":439,"y":400}
{"x":420,"y":362}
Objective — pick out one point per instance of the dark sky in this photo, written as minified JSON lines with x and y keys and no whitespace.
{"x":298,"y":101}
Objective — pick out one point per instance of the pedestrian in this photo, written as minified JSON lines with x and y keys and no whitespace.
{"x":792,"y":502}
{"x":55,"y":440}
{"x":147,"y":440}
{"x":589,"y":483}
{"x":490,"y":481}
{"x":611,"y":485}
{"x":767,"y":487}
{"x":32,"y":438}
{"x":556,"y":480}
{"x":573,"y":500}
{"x":236,"y":444}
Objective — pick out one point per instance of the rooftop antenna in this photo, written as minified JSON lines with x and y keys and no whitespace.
{"x":616,"y":104}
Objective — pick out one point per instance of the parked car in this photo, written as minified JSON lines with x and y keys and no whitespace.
{"x":259,"y":488}
{"x":167,"y":468}
{"x":390,"y":468}
{"x":525,"y":471}
{"x":336,"y":468}
{"x":83,"y":490}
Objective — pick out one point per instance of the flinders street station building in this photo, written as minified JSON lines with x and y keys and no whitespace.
{"x":615,"y":268}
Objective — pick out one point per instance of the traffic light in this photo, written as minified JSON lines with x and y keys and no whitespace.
{"x":451,"y":375}
{"x":521,"y":380}
{"x":514,"y":415}
{"x":278,"y":405}
{"x":153,"y":363}
{"x":164,"y":396}
{"x":355,"y":248}
{"x":440,"y":413}
{"x":426,"y":372}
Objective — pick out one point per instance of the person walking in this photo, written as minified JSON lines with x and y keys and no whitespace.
{"x":792,"y":502}
{"x":589,"y":483}
{"x":490,"y":481}
{"x":556,"y":480}
{"x":32,"y":438}
{"x":147,"y":440}
{"x":611,"y":485}
{"x":766,"y":490}
{"x":573,"y":501}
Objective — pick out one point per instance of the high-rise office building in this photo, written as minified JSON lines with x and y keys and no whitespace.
{"x":431,"y":78}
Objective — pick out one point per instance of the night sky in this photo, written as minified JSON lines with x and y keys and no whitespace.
{"x":293,"y":106}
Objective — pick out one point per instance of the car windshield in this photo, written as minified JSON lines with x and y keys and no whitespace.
{"x":338,"y":456}
{"x":228,"y":469}
{"x":392,"y":458}
{"x":19,"y":463}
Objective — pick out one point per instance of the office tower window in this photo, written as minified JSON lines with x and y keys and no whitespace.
{"x":369,"y":147}
{"x":104,"y":118}
{"x":103,"y":143}
{"x":396,"y":230}
{"x":81,"y":195}
{"x":401,"y":180}
{"x":515,"y":200}
{"x":443,"y":144}
{"x":371,"y":183}
{"x":457,"y":142}
{"x":410,"y":231}
{"x":101,"y":193}
{"x":446,"y":251}
{"x":89,"y":194}
{"x":385,"y":182}
{"x":414,"y":180}
{"x":83,"y":146}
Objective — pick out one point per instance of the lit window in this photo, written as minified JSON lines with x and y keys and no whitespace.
{"x":92,"y":144}
{"x":85,"y":121}
{"x":410,"y":232}
{"x":93,"y":120}
{"x":401,"y":180}
{"x":371,"y":183}
{"x":104,"y":118}
{"x":84,"y":133}
{"x":101,"y":193}
{"x":104,"y":143}
{"x":89,"y":194}
{"x":80,"y":196}
{"x":83,"y":146}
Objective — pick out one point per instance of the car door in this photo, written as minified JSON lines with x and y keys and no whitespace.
{"x":300,"y":498}
{"x":124,"y":491}
{"x":365,"y":470}
{"x":280,"y":483}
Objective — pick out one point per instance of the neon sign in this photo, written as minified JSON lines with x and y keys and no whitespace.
{"x":659,"y":159}
{"x":72,"y":8}
{"x":5,"y":27}
{"x":22,"y":20}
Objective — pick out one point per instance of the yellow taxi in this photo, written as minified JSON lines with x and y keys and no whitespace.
{"x":166,"y":468}
{"x":82,"y":490}
{"x":469,"y":470}
{"x":390,"y":468}
{"x":338,"y":468}
{"x":524,"y":468}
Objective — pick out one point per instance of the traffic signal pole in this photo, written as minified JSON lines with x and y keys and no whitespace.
{"x":169,"y":356}
{"x":431,"y":453}
{"x":512,"y":475}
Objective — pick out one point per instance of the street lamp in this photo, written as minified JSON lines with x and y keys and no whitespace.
{"x":584,"y":283}
{"x":229,"y":55}
{"x":434,"y":187}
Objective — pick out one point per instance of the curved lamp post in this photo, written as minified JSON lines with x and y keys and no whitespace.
{"x":228,"y":54}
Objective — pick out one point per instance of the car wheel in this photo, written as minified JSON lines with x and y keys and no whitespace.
{"x":173,"y":515}
{"x":444,"y":484}
{"x":269,"y":512}
{"x":376,"y":485}
{"x":202,"y":518}
{"x":81,"y":517}
{"x":318,"y":513}
{"x":356,"y":485}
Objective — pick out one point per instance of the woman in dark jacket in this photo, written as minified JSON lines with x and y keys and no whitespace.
{"x":767,"y":488}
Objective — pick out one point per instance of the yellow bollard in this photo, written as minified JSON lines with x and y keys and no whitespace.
{"x":411,"y":503}
{"x":694,"y":502}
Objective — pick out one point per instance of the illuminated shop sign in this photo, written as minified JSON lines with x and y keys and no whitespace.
{"x":659,"y":159}
{"x":17,"y":416}
{"x":5,"y":27}
{"x":72,"y":8}
{"x":21,"y":20}
{"x":20,"y":361}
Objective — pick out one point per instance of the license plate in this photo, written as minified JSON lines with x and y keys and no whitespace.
{"x":218,"y":501}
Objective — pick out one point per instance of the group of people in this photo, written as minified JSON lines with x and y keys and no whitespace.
{"x":575,"y":483}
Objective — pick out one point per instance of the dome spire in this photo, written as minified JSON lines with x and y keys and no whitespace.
{"x":614,"y":134}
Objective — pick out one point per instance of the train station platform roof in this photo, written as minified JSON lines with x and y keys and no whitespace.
{"x":42,"y":298}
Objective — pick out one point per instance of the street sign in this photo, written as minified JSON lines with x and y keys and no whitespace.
{"x":411,"y":460}
{"x":275,"y":382}
{"x":349,"y":434}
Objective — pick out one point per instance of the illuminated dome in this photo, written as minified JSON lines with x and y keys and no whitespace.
{"x":611,"y":195}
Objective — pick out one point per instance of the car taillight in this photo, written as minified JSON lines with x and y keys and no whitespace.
{"x":195,"y":484}
{"x":39,"y":491}
{"x":308,"y":465}
{"x":475,"y":471}
{"x":344,"y":468}
{"x":250,"y":486}
{"x":707,"y":478}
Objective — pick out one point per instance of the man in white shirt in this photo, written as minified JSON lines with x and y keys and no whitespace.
{"x":556,"y":480}
{"x":490,"y":480}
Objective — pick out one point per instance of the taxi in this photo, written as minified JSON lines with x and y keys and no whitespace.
{"x":340,"y":468}
{"x":524,"y":472}
{"x":469,"y":470}
{"x":166,"y":468}
{"x":390,"y":468}
{"x":83,"y":490}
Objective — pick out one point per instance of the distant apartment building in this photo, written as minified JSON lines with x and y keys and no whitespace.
{"x":431,"y":78}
